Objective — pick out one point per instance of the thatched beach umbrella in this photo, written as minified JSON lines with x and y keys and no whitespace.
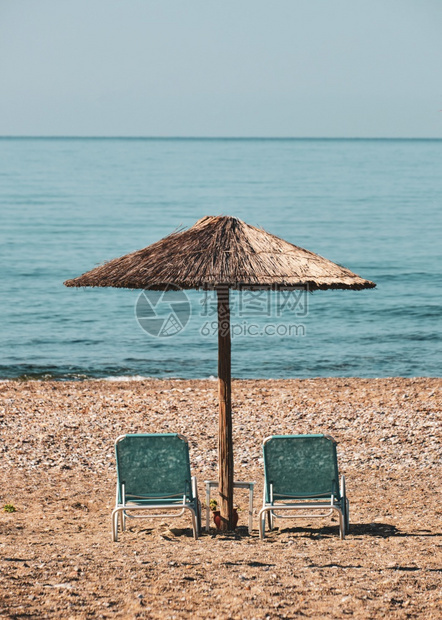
{"x":222,"y":253}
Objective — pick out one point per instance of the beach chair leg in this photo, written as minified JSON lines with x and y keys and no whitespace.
{"x":347,"y":516}
{"x":115,"y":517}
{"x":122,"y":520}
{"x":194,"y":522}
{"x":250,"y":509}
{"x":207,"y":508}
{"x":341,"y":524}
{"x":345,"y":505}
{"x":197,"y":505}
{"x":198,"y":515}
{"x":262,"y":523}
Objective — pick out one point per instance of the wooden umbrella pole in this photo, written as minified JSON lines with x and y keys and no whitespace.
{"x":225,"y":443}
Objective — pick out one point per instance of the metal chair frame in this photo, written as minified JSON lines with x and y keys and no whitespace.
{"x":120,"y":512}
{"x":340,"y":506}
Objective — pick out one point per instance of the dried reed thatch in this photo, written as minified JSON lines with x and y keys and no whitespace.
{"x":221,"y":251}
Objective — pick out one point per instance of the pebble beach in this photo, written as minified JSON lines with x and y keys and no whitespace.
{"x":58,"y":474}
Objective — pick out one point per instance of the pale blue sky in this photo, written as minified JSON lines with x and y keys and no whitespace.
{"x":332,"y":68}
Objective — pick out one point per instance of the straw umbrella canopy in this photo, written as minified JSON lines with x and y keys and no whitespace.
{"x":222,"y":253}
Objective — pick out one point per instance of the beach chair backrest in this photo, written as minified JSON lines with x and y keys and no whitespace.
{"x":300,"y":466}
{"x":153,"y":466}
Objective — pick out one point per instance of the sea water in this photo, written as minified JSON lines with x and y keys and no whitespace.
{"x":374,"y":206}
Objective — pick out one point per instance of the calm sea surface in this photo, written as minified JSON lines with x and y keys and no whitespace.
{"x":374,"y":206}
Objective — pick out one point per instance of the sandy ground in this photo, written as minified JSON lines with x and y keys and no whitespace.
{"x":57,"y":469}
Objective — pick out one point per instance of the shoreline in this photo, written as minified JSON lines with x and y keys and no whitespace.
{"x":136,"y":378}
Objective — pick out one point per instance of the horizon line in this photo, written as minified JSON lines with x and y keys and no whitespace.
{"x":232,"y":138}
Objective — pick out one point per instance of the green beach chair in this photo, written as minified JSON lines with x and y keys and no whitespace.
{"x":301,"y":474}
{"x":153,"y":476}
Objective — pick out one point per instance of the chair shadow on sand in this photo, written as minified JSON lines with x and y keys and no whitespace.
{"x":358,"y":530}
